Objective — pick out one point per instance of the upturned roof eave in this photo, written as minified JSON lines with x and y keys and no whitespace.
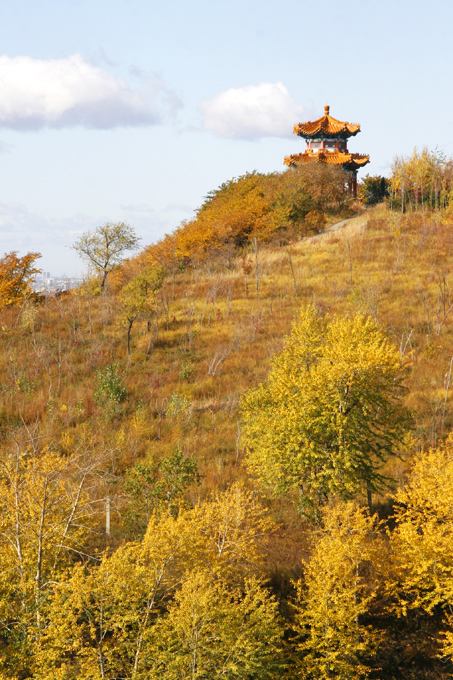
{"x":347,"y":160}
{"x":326,"y":127}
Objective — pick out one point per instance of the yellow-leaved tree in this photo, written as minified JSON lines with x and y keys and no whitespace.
{"x":16,"y":277}
{"x":137,"y":298}
{"x":215,"y":631}
{"x":45,"y":512}
{"x":425,"y":177}
{"x":123,"y":617}
{"x":423,"y":538}
{"x":335,"y":593}
{"x":330,"y":413}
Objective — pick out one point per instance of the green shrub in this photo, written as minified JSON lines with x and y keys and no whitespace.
{"x":110,"y":386}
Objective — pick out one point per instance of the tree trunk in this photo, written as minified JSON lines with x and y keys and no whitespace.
{"x":107,"y":517}
{"x":257,"y":273}
{"x":292,"y":272}
{"x":174,"y":274}
{"x":129,"y":336}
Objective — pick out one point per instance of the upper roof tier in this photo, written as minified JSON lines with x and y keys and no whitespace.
{"x":326,"y":126}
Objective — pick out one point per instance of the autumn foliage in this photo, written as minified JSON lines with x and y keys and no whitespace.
{"x":423,"y":178}
{"x":151,"y":501}
{"x":329,"y":415}
{"x":254,"y":206}
{"x":16,"y":277}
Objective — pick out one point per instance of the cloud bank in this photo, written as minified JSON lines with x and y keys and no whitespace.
{"x":252,"y":112}
{"x":57,"y":93}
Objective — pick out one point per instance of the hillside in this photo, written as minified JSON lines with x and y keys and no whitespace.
{"x":69,"y":387}
{"x":215,"y":333}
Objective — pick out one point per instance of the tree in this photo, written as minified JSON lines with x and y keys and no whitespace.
{"x":424,"y":530}
{"x":315,"y":221}
{"x":45,"y":514}
{"x":292,"y":200}
{"x":335,"y":593}
{"x":330,"y":413}
{"x":16,"y":277}
{"x":110,"y":390}
{"x":215,"y":632}
{"x":373,"y":189}
{"x":235,"y":528}
{"x":158,"y":487}
{"x":425,"y":177}
{"x":110,"y":620}
{"x":104,"y":247}
{"x":249,"y":210}
{"x":138,"y":297}
{"x":324,"y":184}
{"x":232,"y":216}
{"x":422,"y":539}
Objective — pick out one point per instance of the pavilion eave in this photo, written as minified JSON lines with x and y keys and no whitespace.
{"x":349,"y":161}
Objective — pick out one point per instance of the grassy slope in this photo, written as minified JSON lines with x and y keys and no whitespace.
{"x":394,"y":268}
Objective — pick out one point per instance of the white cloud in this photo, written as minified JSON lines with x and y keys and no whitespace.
{"x":252,"y":112}
{"x":138,"y":207}
{"x":179,"y":207}
{"x":60,"y":93}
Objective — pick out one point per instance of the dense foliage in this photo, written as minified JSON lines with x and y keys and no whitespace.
{"x":329,"y":415}
{"x":254,"y":208}
{"x":373,"y":189}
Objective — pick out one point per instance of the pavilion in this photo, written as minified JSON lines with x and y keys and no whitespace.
{"x":326,"y":140}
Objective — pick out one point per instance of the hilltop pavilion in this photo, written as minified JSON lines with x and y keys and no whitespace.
{"x":326,"y":140}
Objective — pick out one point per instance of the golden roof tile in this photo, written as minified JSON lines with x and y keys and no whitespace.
{"x":326,"y":126}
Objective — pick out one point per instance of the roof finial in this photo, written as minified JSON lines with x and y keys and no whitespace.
{"x":326,"y":109}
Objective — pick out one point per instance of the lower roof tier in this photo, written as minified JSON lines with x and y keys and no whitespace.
{"x":350,"y":161}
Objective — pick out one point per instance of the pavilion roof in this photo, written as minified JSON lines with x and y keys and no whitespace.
{"x":326,"y":126}
{"x":352,"y":161}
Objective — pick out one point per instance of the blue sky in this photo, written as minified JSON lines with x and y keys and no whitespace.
{"x":134,"y":109}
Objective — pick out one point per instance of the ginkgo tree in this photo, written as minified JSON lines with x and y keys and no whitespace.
{"x":213,"y":631}
{"x":336,"y":592}
{"x":422,"y":539}
{"x":46,"y":510}
{"x":330,"y":413}
{"x":182,"y":603}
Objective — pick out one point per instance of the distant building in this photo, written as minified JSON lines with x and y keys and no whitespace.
{"x":326,"y":140}
{"x":47,"y":284}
